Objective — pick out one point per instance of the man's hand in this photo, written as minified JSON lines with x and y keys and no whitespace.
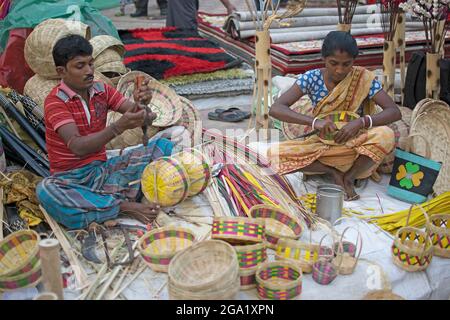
{"x":325,"y":126}
{"x":143,"y":95}
{"x":349,"y":131}
{"x":130,"y":120}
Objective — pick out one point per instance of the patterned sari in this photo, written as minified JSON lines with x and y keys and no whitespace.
{"x":349,"y":95}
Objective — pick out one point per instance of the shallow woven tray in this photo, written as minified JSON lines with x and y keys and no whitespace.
{"x":238,"y":230}
{"x":159,"y":246}
{"x":165,"y":181}
{"x":165,"y":102}
{"x":206,"y":266}
{"x":382,"y":295}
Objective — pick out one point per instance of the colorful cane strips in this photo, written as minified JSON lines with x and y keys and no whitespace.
{"x":280,"y":280}
{"x":439,"y":230}
{"x":340,"y":118}
{"x":159,"y":246}
{"x":238,"y":229}
{"x":250,"y":256}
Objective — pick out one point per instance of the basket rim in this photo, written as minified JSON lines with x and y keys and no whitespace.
{"x":180,"y":255}
{"x":289,"y":283}
{"x":413,"y":251}
{"x":33,"y":253}
{"x":250,"y":247}
{"x":141,"y":240}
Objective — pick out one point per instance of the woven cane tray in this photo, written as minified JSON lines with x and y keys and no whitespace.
{"x":165,"y":102}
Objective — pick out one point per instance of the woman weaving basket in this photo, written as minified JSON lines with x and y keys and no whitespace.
{"x":354,"y":151}
{"x":84,"y":186}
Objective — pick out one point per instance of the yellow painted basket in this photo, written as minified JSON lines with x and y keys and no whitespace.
{"x":238,"y":230}
{"x":165,"y":182}
{"x":159,"y":246}
{"x":279,"y":224}
{"x":197,"y":169}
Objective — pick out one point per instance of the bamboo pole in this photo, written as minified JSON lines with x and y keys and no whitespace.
{"x":400,"y":38}
{"x":51,"y":267}
{"x":433,"y":84}
{"x":80,"y":273}
{"x":389,"y":67}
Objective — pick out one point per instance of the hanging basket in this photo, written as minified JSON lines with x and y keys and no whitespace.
{"x":280,"y":280}
{"x":198,"y":170}
{"x":19,"y":253}
{"x":412,"y":249}
{"x":238,"y":230}
{"x":439,"y":230}
{"x":165,"y":182}
{"x":346,"y":258}
{"x":250,"y":256}
{"x":159,"y":246}
{"x":279,"y":224}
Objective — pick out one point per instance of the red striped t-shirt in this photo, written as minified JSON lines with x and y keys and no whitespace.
{"x":63,"y":106}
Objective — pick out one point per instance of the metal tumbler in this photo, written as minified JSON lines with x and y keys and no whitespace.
{"x":329,"y":202}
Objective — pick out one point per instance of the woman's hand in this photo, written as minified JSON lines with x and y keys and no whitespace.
{"x":325,"y":126}
{"x":349,"y":131}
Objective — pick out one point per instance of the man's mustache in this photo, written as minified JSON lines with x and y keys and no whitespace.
{"x":90,"y":77}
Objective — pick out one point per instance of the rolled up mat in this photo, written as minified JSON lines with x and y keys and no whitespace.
{"x":9,"y":107}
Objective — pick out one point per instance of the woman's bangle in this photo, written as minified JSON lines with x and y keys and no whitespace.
{"x":314,"y":122}
{"x":371,"y":122}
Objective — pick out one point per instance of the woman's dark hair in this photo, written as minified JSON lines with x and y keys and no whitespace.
{"x":70,"y":47}
{"x":339,"y":41}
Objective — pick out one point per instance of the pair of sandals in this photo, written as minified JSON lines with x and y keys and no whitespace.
{"x":229,"y":115}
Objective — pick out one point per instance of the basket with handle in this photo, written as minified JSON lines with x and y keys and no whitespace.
{"x":279,"y":280}
{"x":305,"y":254}
{"x":165,"y":182}
{"x":323,"y":270}
{"x":19,"y":253}
{"x":197,"y":168}
{"x":238,"y":230}
{"x":438,"y":228}
{"x":412,"y":249}
{"x":279,"y":224}
{"x":346,"y":258}
{"x":159,"y":246}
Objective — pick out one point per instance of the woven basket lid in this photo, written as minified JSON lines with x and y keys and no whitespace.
{"x":130,"y":137}
{"x":433,"y":125}
{"x":39,"y":44}
{"x":103,"y":42}
{"x":293,"y":131}
{"x":165,"y":102}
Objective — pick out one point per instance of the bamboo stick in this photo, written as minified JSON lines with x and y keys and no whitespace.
{"x":433,"y":84}
{"x":80,"y":273}
{"x":51,"y":267}
{"x":127,"y":284}
{"x":344,"y":27}
{"x":389,"y":67}
{"x":401,"y":44}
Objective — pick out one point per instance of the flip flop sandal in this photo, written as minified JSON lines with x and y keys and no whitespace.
{"x":244,"y":114}
{"x":225,"y":116}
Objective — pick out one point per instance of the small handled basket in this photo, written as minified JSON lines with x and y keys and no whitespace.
{"x":439,"y":230}
{"x":238,"y":230}
{"x":279,"y":224}
{"x":323,"y":270}
{"x":159,"y":246}
{"x":280,"y":280}
{"x":301,"y":253}
{"x":412,"y":249}
{"x":346,"y":258}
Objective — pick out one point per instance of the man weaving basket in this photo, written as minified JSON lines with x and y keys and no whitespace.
{"x":84,"y":186}
{"x":359,"y":147}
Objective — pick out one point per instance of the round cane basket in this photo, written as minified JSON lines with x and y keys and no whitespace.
{"x":165,"y":182}
{"x":207,"y":266}
{"x":24,"y":280}
{"x":250,"y":256}
{"x":248,"y":278}
{"x":238,"y":230}
{"x":323,"y":270}
{"x":165,"y":102}
{"x":439,"y":230}
{"x":280,"y":280}
{"x":340,"y":119}
{"x":110,"y":61}
{"x":279,"y":224}
{"x":191,"y":120}
{"x":301,"y":253}
{"x":39,"y":44}
{"x":291,"y":130}
{"x":159,"y":246}
{"x":197,"y":169}
{"x":19,"y":253}
{"x":130,"y":137}
{"x":412,"y":249}
{"x":102,"y":42}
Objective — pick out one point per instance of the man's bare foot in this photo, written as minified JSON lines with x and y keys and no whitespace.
{"x":144,"y":212}
{"x":350,"y":193}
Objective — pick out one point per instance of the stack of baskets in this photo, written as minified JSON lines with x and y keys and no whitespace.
{"x":208,"y":270}
{"x":108,"y":57}
{"x":247,"y":237}
{"x":38,"y":54}
{"x":20,"y":265}
{"x":170,"y":180}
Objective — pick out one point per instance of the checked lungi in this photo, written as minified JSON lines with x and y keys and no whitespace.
{"x":93,"y":193}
